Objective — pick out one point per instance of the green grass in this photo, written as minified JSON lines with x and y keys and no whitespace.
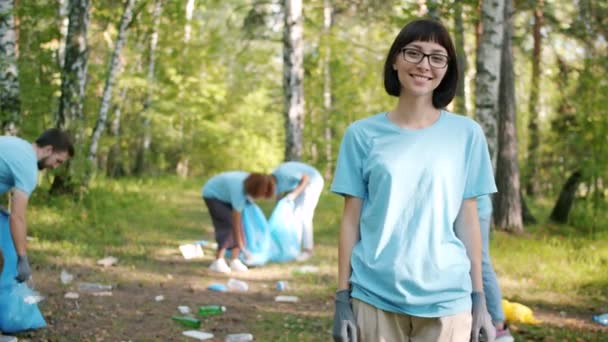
{"x":550,"y":267}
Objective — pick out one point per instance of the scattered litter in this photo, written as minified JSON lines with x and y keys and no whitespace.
{"x":601,"y":319}
{"x":239,"y":337}
{"x":102,"y":294}
{"x":237,"y":285}
{"x":30,"y":238}
{"x":71,"y":295}
{"x":159,"y":298}
{"x":66,"y":277}
{"x":199,"y":335}
{"x":217,"y":287}
{"x":281,"y":285}
{"x":6,"y":338}
{"x":169,"y":276}
{"x":286,"y":299}
{"x":187,"y":321}
{"x":191,"y":250}
{"x":306,"y":269}
{"x":184,"y":310}
{"x":33,"y":298}
{"x":518,"y":313}
{"x":107,"y":262}
{"x":94,"y":287}
{"x":211,"y":310}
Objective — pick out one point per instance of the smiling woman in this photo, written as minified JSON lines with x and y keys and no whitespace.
{"x":398,"y":193}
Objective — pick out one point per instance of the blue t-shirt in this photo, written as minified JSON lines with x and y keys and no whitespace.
{"x":228,"y":187}
{"x":18,"y":165}
{"x":289,"y":174}
{"x":412,"y":184}
{"x":484,"y":206}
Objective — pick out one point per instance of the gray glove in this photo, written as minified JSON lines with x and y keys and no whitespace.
{"x":482,"y":322}
{"x":23,"y":269}
{"x":345,"y":328}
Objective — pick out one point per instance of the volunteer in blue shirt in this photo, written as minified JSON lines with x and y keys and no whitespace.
{"x":225,"y":196}
{"x":410,"y":247}
{"x":19,"y":164}
{"x":303,"y":184}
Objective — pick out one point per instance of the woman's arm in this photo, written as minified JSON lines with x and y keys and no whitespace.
{"x":468,"y":231}
{"x":349,"y":235}
{"x":298,"y":190}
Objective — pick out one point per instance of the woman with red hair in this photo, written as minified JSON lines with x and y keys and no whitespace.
{"x":225,"y":196}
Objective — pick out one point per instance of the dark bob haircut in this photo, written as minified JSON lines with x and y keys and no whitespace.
{"x":425,"y":30}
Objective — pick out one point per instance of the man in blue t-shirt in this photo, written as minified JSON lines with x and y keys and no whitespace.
{"x":19,"y":165}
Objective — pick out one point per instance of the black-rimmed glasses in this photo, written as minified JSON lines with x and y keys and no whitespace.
{"x":415,"y":56}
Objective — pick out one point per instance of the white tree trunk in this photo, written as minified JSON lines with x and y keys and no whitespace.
{"x":488,"y":71}
{"x":106,"y":98}
{"x":327,"y":93}
{"x":293,"y":77}
{"x":9,"y":73}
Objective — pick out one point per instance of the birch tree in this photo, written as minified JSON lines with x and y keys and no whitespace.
{"x":146,"y":139}
{"x":488,"y":71}
{"x":9,"y":73}
{"x":293,"y":77}
{"x":460,"y":98}
{"x":106,"y":98}
{"x":327,"y":93}
{"x":507,"y":209}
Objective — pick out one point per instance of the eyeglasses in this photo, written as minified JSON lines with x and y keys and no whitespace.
{"x":415,"y":56}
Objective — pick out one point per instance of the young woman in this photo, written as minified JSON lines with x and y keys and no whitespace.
{"x":225,"y":196}
{"x":303,"y":184}
{"x":410,"y":244}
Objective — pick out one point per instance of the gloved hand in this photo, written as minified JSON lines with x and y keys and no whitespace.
{"x":482,"y":322}
{"x":23,"y":269}
{"x":345,"y":328}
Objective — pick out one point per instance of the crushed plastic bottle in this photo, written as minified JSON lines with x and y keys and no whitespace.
{"x":187,"y":321}
{"x":66,"y":277}
{"x":601,"y":319}
{"x":286,"y":299}
{"x":211,"y":310}
{"x":281,"y":285}
{"x":237,"y":285}
{"x":239,"y":337}
{"x":94,"y":287}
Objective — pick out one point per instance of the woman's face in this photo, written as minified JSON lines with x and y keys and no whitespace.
{"x":418,"y":67}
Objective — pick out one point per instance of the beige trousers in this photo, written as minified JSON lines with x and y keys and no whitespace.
{"x":375,"y":325}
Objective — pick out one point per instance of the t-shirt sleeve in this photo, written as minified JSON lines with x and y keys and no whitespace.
{"x":480,"y":175}
{"x":237,"y":196}
{"x":25,"y":179}
{"x":348,"y":176}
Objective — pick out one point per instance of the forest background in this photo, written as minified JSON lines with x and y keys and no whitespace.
{"x":157,"y":89}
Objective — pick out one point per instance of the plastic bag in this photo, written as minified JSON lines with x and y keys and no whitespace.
{"x":518,"y":313}
{"x":284,"y":231}
{"x":257,"y":235}
{"x":18,"y":312}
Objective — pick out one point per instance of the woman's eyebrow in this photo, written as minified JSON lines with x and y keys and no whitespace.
{"x":420,"y":48}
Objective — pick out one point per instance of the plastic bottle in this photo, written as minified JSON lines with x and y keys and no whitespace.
{"x":237,"y":285}
{"x":211,"y":310}
{"x":187,"y":321}
{"x":601,"y":319}
{"x":239,"y":337}
{"x":281,"y":285}
{"x":92,"y":287}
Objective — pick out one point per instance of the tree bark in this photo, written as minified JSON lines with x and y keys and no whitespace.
{"x":488,"y":72}
{"x":562,"y":207}
{"x":507,"y":212}
{"x":10,"y":103}
{"x":293,"y":78}
{"x":106,"y":98}
{"x":146,"y":139}
{"x":460,"y":99}
{"x":532,"y":181}
{"x":70,"y":116}
{"x":327,"y":92}
{"x":115,"y":164}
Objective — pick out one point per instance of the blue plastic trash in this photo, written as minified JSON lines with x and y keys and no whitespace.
{"x":17,"y":312}
{"x":284,"y":229}
{"x":257,"y":235}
